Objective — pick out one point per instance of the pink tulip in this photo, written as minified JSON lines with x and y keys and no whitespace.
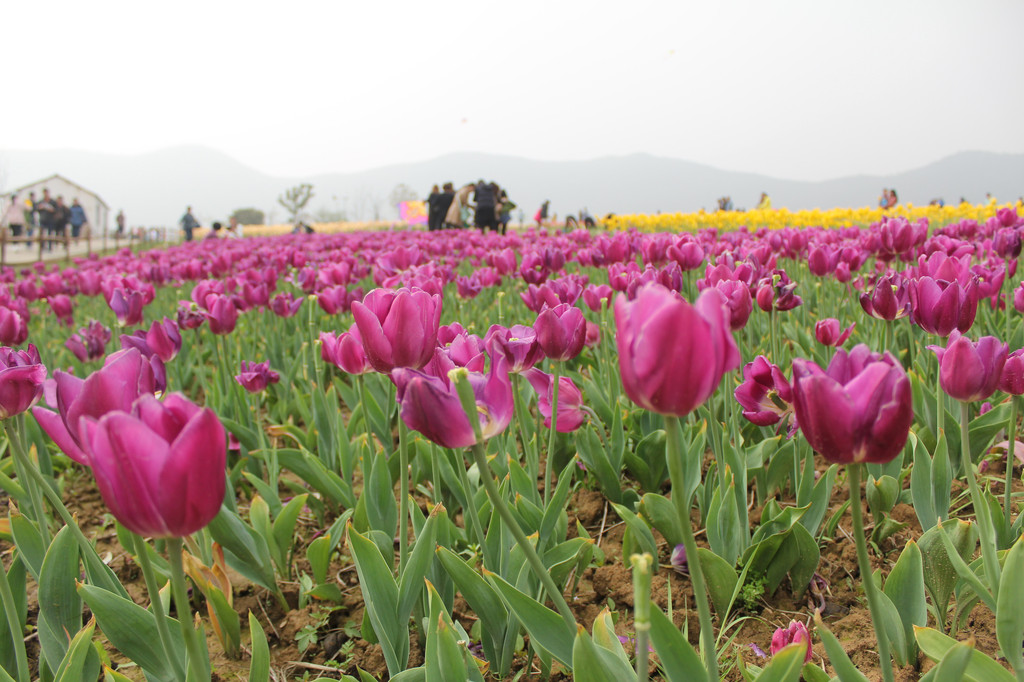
{"x":159,"y":466}
{"x":570,"y":400}
{"x":21,"y":380}
{"x":765,"y":394}
{"x":561,"y":332}
{"x":398,"y":328}
{"x":796,"y":633}
{"x":672,"y":355}
{"x":256,"y":376}
{"x":970,"y":371}
{"x":829,"y":333}
{"x":516,"y":345}
{"x":345,"y":351}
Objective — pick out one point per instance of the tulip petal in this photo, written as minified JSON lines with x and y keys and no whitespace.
{"x":193,"y":480}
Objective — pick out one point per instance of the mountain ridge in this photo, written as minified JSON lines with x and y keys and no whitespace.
{"x":154,"y":187}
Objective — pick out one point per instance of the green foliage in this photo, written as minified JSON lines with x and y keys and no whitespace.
{"x":249,"y":216}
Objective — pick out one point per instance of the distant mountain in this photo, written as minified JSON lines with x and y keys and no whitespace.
{"x":154,"y":188}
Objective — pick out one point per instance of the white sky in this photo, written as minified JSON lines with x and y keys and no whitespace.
{"x":797,"y":89}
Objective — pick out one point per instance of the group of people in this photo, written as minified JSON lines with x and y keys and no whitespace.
{"x":484,"y":205}
{"x":51,"y":216}
{"x":888,"y":198}
{"x":725,"y":203}
{"x":189,"y":224}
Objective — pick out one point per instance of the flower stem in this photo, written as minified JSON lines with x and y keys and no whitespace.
{"x":642,"y":611}
{"x":197,"y":658}
{"x":981,"y":509}
{"x":403,"y":495}
{"x":153,"y":587}
{"x":532,"y":557}
{"x":549,"y":461}
{"x":529,"y":452}
{"x":676,"y":469}
{"x":1011,"y":456}
{"x":23,"y":464}
{"x":940,"y":407}
{"x":864,"y":563}
{"x":14,"y":625}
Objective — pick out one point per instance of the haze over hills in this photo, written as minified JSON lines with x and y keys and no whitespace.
{"x":154,"y":188}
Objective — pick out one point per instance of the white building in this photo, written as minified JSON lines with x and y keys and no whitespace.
{"x":96,"y":210}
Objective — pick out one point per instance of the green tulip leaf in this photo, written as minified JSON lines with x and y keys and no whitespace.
{"x":594,"y":663}
{"x":640,"y":530}
{"x":660,"y":513}
{"x":547,"y":629}
{"x":720,"y":578}
{"x":29,"y":543}
{"x":132,"y":630}
{"x":905,"y":588}
{"x":73,"y":667}
{"x":259,"y":668}
{"x":679,"y":661}
{"x":785,"y":665}
{"x":1009,"y":614}
{"x":60,"y":607}
{"x":381,"y":598}
{"x":980,"y":668}
{"x":939,"y":574}
{"x":953,"y":666}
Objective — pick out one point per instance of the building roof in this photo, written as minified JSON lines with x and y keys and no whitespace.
{"x":58,"y":176}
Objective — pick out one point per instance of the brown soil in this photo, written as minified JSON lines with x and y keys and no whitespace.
{"x":338,"y":647}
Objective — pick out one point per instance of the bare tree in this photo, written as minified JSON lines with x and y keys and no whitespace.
{"x":295,"y":199}
{"x":402,"y":192}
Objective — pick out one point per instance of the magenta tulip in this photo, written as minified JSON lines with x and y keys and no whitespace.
{"x":21,"y":380}
{"x":561,"y":332}
{"x":221,"y":313}
{"x":285,"y":304}
{"x":765,"y":394}
{"x":127,"y":306}
{"x":889,"y":299}
{"x":159,"y":467}
{"x":517,"y":345}
{"x":858,"y":410}
{"x":431,"y":405}
{"x":940,"y":306}
{"x":90,"y":342}
{"x":796,"y":633}
{"x":1012,"y":379}
{"x":570,"y":400}
{"x":13,"y":327}
{"x":345,"y":351}
{"x":398,"y":328}
{"x":829,"y":333}
{"x":164,"y":339}
{"x":256,"y":376}
{"x":970,"y":371}
{"x":125,"y":376}
{"x":672,"y":355}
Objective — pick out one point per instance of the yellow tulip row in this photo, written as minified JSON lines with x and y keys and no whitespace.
{"x":778,"y":218}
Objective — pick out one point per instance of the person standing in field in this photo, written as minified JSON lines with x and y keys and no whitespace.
{"x":234,"y":230}
{"x":14,"y":217}
{"x":504,"y":211}
{"x":47,"y":210}
{"x":765,"y":203}
{"x":542,"y":213}
{"x":31,"y":218}
{"x":120,"y":223}
{"x":454,"y":216}
{"x":78,"y":218}
{"x":188,"y":223}
{"x":444,"y":203}
{"x":486,"y":200}
{"x":434,"y":215}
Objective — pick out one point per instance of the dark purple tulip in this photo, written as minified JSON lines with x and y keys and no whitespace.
{"x":467,"y":287}
{"x":687,"y":253}
{"x":858,"y":410}
{"x":13,"y":327}
{"x":90,"y":342}
{"x":127,"y":306}
{"x":561,"y":332}
{"x":62,"y":307}
{"x":939,"y":306}
{"x":189,"y":315}
{"x":822,"y":261}
{"x":1012,"y":379}
{"x":398,"y":328}
{"x":765,"y":395}
{"x":164,"y":339}
{"x":517,"y":345}
{"x":285,"y":304}
{"x":159,"y":466}
{"x":970,"y":371}
{"x":345,"y":351}
{"x":888,"y":299}
{"x":597,"y":295}
{"x":125,"y":376}
{"x":431,"y":405}
{"x":221,"y":313}
{"x":829,"y":333}
{"x":1006,"y":243}
{"x":570,"y":400}
{"x":738,"y":301}
{"x":256,"y":376}
{"x":21,"y":380}
{"x":672,"y":355}
{"x":777,"y":292}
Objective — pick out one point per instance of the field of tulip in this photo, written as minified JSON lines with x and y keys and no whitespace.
{"x":596,"y":456}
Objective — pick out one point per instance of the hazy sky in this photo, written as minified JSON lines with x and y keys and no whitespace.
{"x":804,"y":90}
